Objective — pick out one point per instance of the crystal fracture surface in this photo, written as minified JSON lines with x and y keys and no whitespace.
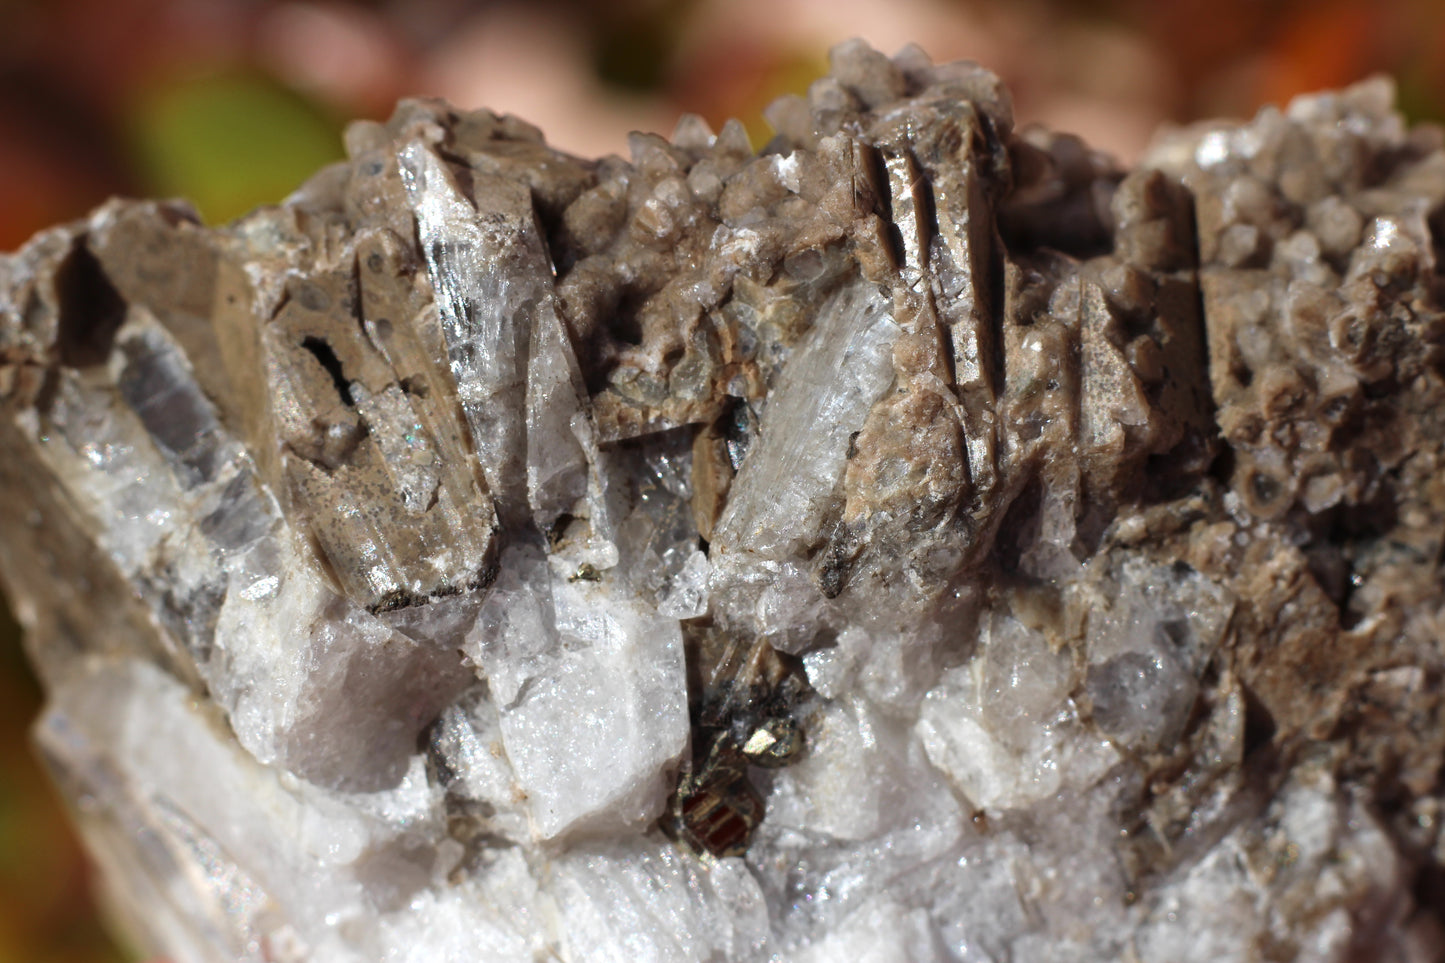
{"x":918,"y":540}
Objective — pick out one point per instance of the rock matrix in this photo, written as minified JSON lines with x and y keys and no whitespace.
{"x":916,"y":540}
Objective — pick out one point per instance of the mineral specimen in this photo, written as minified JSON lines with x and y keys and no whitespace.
{"x":916,"y":540}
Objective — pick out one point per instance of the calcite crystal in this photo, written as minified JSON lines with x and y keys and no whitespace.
{"x":918,"y":540}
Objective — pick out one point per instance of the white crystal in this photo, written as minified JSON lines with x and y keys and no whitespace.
{"x":783,"y":488}
{"x":591,"y":697}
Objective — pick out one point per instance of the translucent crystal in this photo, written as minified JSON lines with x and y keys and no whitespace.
{"x":917,"y":540}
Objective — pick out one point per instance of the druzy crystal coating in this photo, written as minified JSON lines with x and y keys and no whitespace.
{"x":918,"y":539}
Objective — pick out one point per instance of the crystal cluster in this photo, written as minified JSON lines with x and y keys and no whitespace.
{"x":918,"y":540}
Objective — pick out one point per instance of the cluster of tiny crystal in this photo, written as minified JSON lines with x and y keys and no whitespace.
{"x":915,"y":540}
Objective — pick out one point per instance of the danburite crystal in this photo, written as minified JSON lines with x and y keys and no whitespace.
{"x":918,"y":540}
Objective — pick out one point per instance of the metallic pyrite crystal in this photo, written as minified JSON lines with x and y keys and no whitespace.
{"x":918,"y":540}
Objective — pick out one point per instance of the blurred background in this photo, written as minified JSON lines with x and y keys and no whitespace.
{"x":232,"y":103}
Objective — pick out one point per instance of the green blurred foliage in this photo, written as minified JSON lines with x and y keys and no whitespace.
{"x":229,"y":142}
